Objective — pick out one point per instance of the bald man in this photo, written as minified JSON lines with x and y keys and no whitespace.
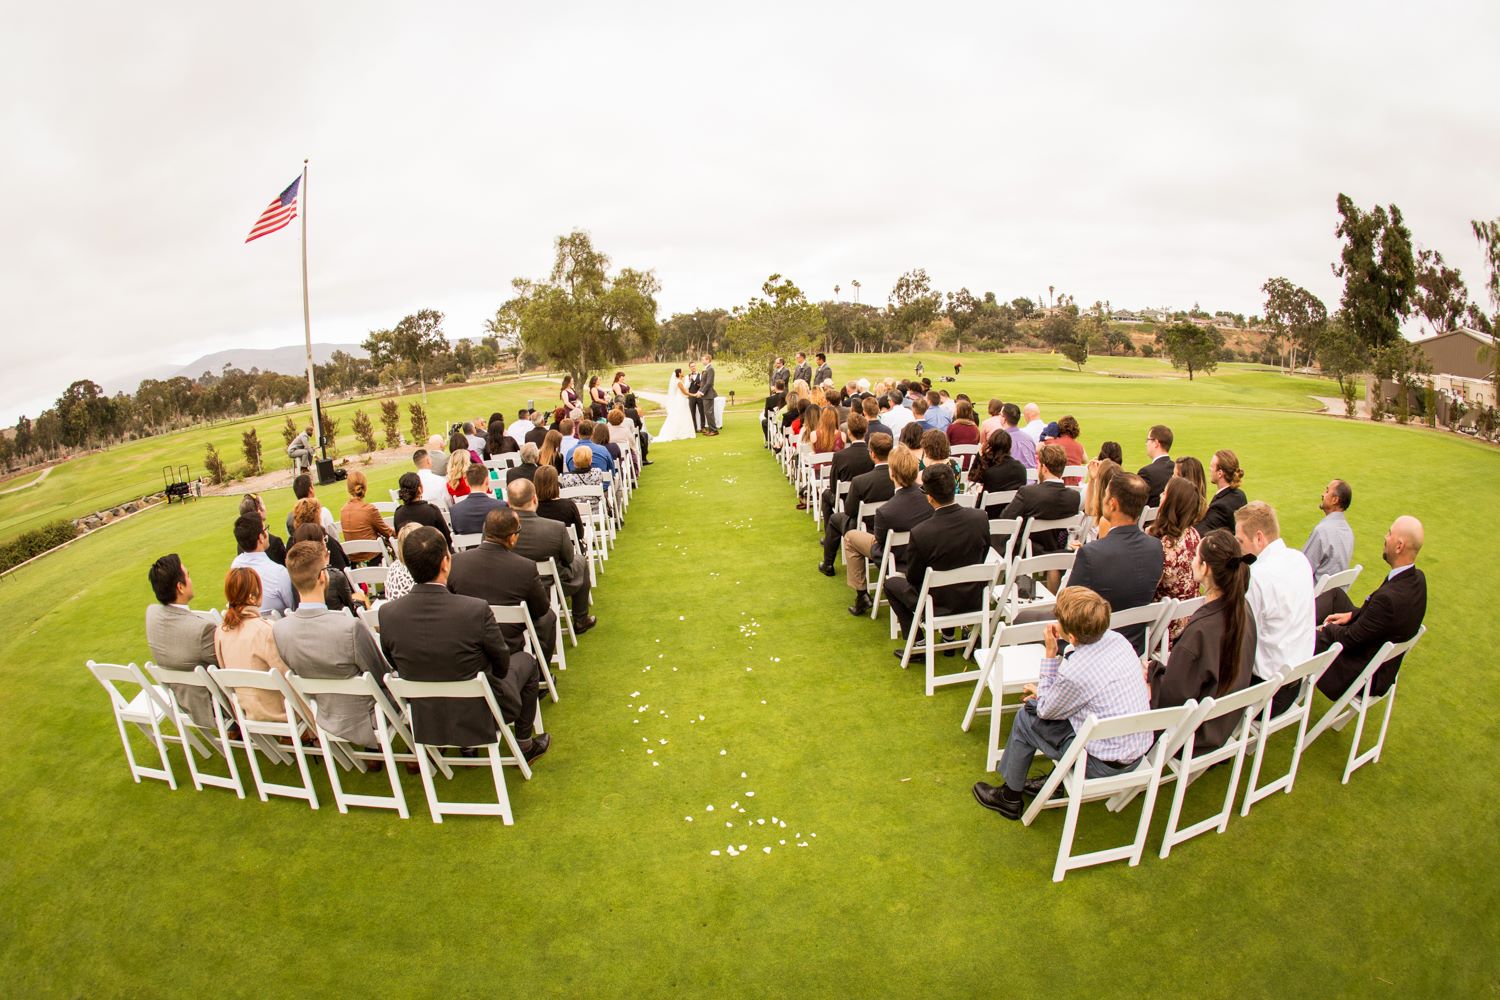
{"x":1031,"y":414}
{"x":1393,"y":613}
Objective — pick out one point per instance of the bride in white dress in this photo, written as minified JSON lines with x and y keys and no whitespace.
{"x":679,"y":423}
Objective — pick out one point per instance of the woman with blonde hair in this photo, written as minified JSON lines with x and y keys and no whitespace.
{"x":243,"y":641}
{"x":1101,"y":471}
{"x":1191,"y":469}
{"x":551,"y":453}
{"x":458,"y":468}
{"x":359,"y":519}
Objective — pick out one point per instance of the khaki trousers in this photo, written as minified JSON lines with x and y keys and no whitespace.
{"x":857,"y":546}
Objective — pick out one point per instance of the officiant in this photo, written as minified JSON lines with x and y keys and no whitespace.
{"x":695,"y":401}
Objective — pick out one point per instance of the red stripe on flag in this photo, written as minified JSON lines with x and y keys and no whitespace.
{"x":276,"y":216}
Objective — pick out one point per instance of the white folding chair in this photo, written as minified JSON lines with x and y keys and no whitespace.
{"x":387,"y":724}
{"x":864,"y":520}
{"x":147,"y":709}
{"x":370,"y":616}
{"x":1035,"y":525}
{"x":594,"y":515}
{"x":499,"y":463}
{"x":1356,"y":702}
{"x":1343,"y":580}
{"x":1031,"y":476}
{"x":1152,"y":616}
{"x":386,"y":508}
{"x":218,"y":738}
{"x":462,"y":543}
{"x":1180,"y":610}
{"x":893,"y":541}
{"x":1305,"y":675}
{"x":405,"y":692}
{"x":966,"y":454}
{"x":1008,"y":528}
{"x":1248,"y":703}
{"x":1071,"y":775}
{"x":931,"y":625}
{"x":840,"y":492}
{"x":367,"y":576}
{"x":1075,"y":472}
{"x":552,"y":579}
{"x":1009,"y":602}
{"x":997,"y":498}
{"x":969,"y":499}
{"x":519,"y":614}
{"x":359,"y":550}
{"x":1148,"y":514}
{"x":1010,"y":663}
{"x":298,"y":724}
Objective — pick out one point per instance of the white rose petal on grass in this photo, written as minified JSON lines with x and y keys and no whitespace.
{"x":635,"y":694}
{"x":656,"y":763}
{"x":744,"y":775}
{"x":766,"y":849}
{"x":687,"y":819}
{"x":749,"y":795}
{"x":744,"y":847}
{"x":761,"y":821}
{"x":682,"y":618}
{"x":714,"y":853}
{"x":708,"y":809}
{"x":723,"y":753}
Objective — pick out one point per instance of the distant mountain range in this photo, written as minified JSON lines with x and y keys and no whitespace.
{"x":286,"y":360}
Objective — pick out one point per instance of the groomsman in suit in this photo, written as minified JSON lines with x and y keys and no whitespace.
{"x":780,"y":376}
{"x":434,"y":635}
{"x":774,"y":402}
{"x":695,"y":401}
{"x":496,"y":574}
{"x":803,"y":371}
{"x":1157,"y":471}
{"x":824,"y":373}
{"x":953,"y":537}
{"x":708,"y":403}
{"x":874,"y":486}
{"x":906,"y":509}
{"x":852,"y":460}
{"x":1048,"y":499}
{"x":178,"y":638}
{"x":1393,"y":613}
{"x":1124,"y":566}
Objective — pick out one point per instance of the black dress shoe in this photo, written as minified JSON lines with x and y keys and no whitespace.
{"x":539,"y":744}
{"x":825,"y":569}
{"x":644,"y":464}
{"x":583,"y":625}
{"x":920,"y":649}
{"x":999,"y":798}
{"x":1033,"y":786}
{"x":861,"y":605}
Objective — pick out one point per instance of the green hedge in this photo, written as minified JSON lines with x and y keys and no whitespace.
{"x":34,"y":543}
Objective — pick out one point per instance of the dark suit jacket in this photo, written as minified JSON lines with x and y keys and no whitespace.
{"x":536,"y":436}
{"x":1002,"y":477}
{"x":422,"y":512}
{"x":526,"y":470}
{"x":1045,"y":502}
{"x":850,"y":461}
{"x":432,"y":635}
{"x":953,"y":537}
{"x":543,"y":538}
{"x":781,"y":375}
{"x":1124,"y":568}
{"x":564,"y":512}
{"x":470,"y":511}
{"x":1195,"y":666}
{"x":1156,"y":476}
{"x":824,"y":372}
{"x":873,"y":486}
{"x":496,"y":575}
{"x":1221,"y":508}
{"x":907,"y":508}
{"x":1393,"y":613}
{"x":804,"y":372}
{"x":876,"y":427}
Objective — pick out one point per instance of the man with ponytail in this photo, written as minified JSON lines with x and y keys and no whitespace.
{"x":1225,"y":476}
{"x":1214,"y":654}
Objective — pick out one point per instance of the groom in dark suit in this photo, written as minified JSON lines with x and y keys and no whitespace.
{"x":707,"y":402}
{"x":695,"y":401}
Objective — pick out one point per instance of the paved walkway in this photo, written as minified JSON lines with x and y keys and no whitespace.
{"x":26,"y":486}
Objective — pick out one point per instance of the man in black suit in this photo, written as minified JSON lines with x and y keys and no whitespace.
{"x":695,"y":401}
{"x":1157,"y":471}
{"x":873,"y":485}
{"x":1393,"y":613}
{"x":635,"y":414}
{"x":1045,"y":500}
{"x":774,"y":402}
{"x":953,"y":537}
{"x":1124,"y":566}
{"x":530,"y":453}
{"x":870,"y":407}
{"x":538,"y":434}
{"x":433,"y":635}
{"x":848,"y":462}
{"x":469,"y":512}
{"x":906,"y":509}
{"x":543,"y":538}
{"x":496,"y":575}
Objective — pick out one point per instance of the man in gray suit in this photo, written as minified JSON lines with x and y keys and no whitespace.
{"x":803,"y":371}
{"x":319,"y":643}
{"x":706,"y":390}
{"x":541,"y":539}
{"x":824,"y":374}
{"x":179,"y":638}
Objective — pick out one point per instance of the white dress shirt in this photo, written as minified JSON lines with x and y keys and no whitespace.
{"x":896,"y":418}
{"x":434,"y":488}
{"x":1281,"y":600}
{"x":1034,"y":430}
{"x":518,"y":430}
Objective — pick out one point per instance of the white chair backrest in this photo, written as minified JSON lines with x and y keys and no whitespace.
{"x":1187,"y":608}
{"x":470,"y":541}
{"x":1159,"y":720}
{"x":999,"y":498}
{"x":969,"y":499}
{"x":1031,"y":475}
{"x":1148,"y":514}
{"x":475,"y":687}
{"x":212,"y":615}
{"x":385,"y":508}
{"x":1149,"y":615}
{"x":1075,"y":471}
{"x":977,"y":573}
{"x":395,"y":496}
{"x":1008,"y":528}
{"x":369,"y":575}
{"x":360,"y":548}
{"x":590,"y":492}
{"x":1344,"y":580}
{"x":867,"y":509}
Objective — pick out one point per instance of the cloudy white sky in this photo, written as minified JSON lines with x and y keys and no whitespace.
{"x":1144,"y":153}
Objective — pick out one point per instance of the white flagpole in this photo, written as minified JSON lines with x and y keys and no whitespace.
{"x":312,"y":389}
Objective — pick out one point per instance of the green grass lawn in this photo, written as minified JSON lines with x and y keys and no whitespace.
{"x":1382,"y":887}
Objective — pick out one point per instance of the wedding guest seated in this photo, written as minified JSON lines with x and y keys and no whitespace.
{"x":523,"y":425}
{"x":251,"y":538}
{"x":919,"y":410}
{"x":437,"y":457}
{"x":474,"y":441}
{"x":1226,"y":475}
{"x":601,"y":439}
{"x":894,"y":415}
{"x":1280,"y":594}
{"x":340,"y":594}
{"x":1191,"y":469}
{"x":459,"y":442}
{"x":963,"y":429}
{"x":1157,"y":471}
{"x":309,"y":511}
{"x":457,"y":483}
{"x":499,"y":441}
{"x":621,"y":433}
{"x":953,"y":537}
{"x":569,"y":439}
{"x":398,"y":581}
{"x":873,"y":485}
{"x":906,"y":509}
{"x":414,"y":509}
{"x":1100,"y":676}
{"x":1392,"y":613}
{"x":321,"y":642}
{"x":1213,"y":655}
{"x":1124,"y":565}
{"x":936,"y":451}
{"x":851,"y":461}
{"x":495,"y":574}
{"x":1100,"y":472}
{"x":177,"y":638}
{"x":1022,"y":446}
{"x":359,"y":518}
{"x":538,"y":432}
{"x":633,"y":414}
{"x":994,"y":421}
{"x":551,"y":452}
{"x":1045,"y":500}
{"x":827,"y":437}
{"x":996,"y":471}
{"x":870,"y":407}
{"x":550,"y":505}
{"x":1111,"y":450}
{"x":433,"y":635}
{"x":251,"y":505}
{"x":1331,"y":544}
{"x":1034,"y":424}
{"x":530,"y":455}
{"x":542,"y":539}
{"x":584,"y":474}
{"x":1173,"y":527}
{"x":936,"y":418}
{"x":1067,"y":436}
{"x":468,"y":514}
{"x":911,"y":439}
{"x":434,"y":486}
{"x":244,"y":641}
{"x":302,"y":489}
{"x":600,"y":461}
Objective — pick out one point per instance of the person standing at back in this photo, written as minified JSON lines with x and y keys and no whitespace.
{"x":824,"y":374}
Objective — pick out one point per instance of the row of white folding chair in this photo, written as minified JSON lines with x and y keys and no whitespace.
{"x":930,"y":625}
{"x":361,"y":549}
{"x":965,"y":454}
{"x":1343,"y":580}
{"x":519,"y":614}
{"x":501,"y":462}
{"x":1355,"y":703}
{"x":464,"y":542}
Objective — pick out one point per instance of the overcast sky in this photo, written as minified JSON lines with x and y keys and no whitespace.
{"x":1144,"y":153}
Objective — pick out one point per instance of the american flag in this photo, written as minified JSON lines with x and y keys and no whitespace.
{"x":281,"y":211}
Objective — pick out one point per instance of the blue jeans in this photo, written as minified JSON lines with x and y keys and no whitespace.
{"x":1030,"y":733}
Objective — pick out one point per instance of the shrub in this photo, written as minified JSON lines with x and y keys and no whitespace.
{"x":33,"y":543}
{"x":364,"y":430}
{"x":215,"y":466}
{"x":390,"y":417}
{"x":331,"y":432}
{"x":418,"y":423}
{"x":1148,"y":350}
{"x":250,"y":443}
{"x":289,"y":432}
{"x":1349,"y":399}
{"x":454,"y":378}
